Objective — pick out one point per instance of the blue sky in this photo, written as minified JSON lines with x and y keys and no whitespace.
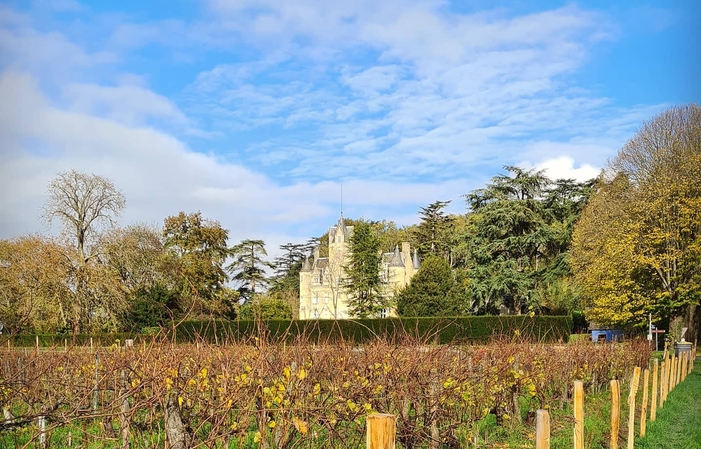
{"x":254,"y":112}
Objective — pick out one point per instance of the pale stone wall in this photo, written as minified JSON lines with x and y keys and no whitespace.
{"x":322,"y":294}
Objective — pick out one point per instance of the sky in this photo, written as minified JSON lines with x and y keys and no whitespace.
{"x":260,"y":113}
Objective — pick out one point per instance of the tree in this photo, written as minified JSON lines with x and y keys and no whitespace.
{"x":510,"y":241}
{"x":199,"y":249}
{"x":248,"y":267}
{"x":656,"y":177}
{"x":432,"y":233}
{"x":285,"y":284}
{"x":35,"y":280}
{"x":86,"y":205}
{"x":428,"y":292}
{"x":363,"y":282}
{"x":266,"y":308}
{"x":146,"y":274}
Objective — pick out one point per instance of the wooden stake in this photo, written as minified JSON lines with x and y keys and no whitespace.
{"x":380,"y":431}
{"x":671,"y":375}
{"x":631,"y":406}
{"x":578,"y":414}
{"x":643,"y":409}
{"x":653,"y":407}
{"x":615,"y":412}
{"x":663,"y":383}
{"x":542,"y":429}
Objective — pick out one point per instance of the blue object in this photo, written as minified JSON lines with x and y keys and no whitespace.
{"x":606,"y":335}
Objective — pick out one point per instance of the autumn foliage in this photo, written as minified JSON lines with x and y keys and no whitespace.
{"x":264,"y":394}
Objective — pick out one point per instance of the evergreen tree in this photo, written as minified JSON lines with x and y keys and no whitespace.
{"x":249,"y":267}
{"x":433,"y":233}
{"x":363,"y":281}
{"x":428,"y":292}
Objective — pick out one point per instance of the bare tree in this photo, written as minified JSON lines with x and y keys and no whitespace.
{"x":83,"y":203}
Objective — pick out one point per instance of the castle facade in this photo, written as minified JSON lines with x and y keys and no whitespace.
{"x":322,"y":282}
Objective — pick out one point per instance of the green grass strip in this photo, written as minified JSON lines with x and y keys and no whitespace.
{"x":678,"y":424}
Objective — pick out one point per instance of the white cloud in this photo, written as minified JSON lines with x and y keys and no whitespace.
{"x":563,"y":167}
{"x":127,"y":104}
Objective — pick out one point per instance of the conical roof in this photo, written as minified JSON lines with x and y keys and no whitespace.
{"x":415,"y":261}
{"x":396,"y":260}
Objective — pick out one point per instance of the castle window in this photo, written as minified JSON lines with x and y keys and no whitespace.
{"x":326,"y":298}
{"x":315,"y":298}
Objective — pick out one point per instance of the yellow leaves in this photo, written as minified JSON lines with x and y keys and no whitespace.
{"x":317,"y":389}
{"x":180,"y":401}
{"x":301,"y":426}
{"x":352,"y":406}
{"x":203,"y":373}
{"x":302,"y":374}
{"x":287,"y":372}
{"x":169,"y":383}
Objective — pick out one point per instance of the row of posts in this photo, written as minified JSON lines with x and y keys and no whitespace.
{"x":665,"y":377}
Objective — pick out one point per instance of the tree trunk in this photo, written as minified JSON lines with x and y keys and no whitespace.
{"x":177,"y":434}
{"x":692,"y":320}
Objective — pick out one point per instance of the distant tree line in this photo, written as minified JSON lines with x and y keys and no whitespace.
{"x":619,"y":247}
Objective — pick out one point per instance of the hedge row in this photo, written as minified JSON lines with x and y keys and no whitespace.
{"x":471,"y":329}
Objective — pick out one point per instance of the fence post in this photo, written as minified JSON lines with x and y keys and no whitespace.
{"x":578,"y":414}
{"x":631,"y":406}
{"x":653,"y":407}
{"x":380,"y":431}
{"x":542,"y":429}
{"x":643,"y":409}
{"x":615,"y":412}
{"x":663,"y":383}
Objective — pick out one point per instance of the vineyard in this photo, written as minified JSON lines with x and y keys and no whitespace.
{"x":284,"y":395}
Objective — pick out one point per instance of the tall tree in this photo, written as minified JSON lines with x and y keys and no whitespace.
{"x":363,"y":282}
{"x":660,"y":217}
{"x":285,"y":284}
{"x":433,"y":232}
{"x":199,"y":248}
{"x":85,"y":204}
{"x":510,"y":240}
{"x":249,"y":267}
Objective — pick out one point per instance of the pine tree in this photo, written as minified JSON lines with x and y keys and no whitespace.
{"x":249,"y":267}
{"x":363,"y":281}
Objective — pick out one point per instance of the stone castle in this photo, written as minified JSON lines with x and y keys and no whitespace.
{"x":322,"y":294}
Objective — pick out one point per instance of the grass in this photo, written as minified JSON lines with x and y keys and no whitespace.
{"x":678,"y":424}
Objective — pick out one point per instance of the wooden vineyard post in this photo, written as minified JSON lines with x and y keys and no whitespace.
{"x":670,"y":377}
{"x":663,"y":382}
{"x":631,"y":406}
{"x":542,"y":430}
{"x":643,"y":409}
{"x":653,"y":407}
{"x":380,"y":431}
{"x":684,"y":365}
{"x":615,"y":412}
{"x":578,"y":414}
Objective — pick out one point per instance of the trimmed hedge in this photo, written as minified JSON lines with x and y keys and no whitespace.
{"x":470,"y":329}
